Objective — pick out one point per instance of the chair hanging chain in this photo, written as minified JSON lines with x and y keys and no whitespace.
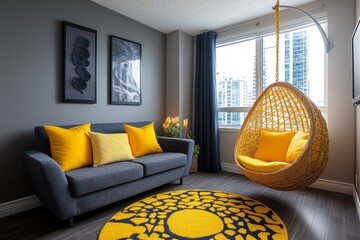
{"x":277,"y":36}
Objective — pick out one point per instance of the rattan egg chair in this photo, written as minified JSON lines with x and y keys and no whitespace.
{"x":282,"y":107}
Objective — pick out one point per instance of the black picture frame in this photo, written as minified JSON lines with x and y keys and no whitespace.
{"x":125,"y":68}
{"x":78,"y":63}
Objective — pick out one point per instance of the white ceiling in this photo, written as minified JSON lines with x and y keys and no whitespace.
{"x":193,"y":16}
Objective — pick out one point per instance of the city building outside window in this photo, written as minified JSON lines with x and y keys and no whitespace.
{"x":240,"y":81}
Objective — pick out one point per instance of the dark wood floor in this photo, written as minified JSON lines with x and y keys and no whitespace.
{"x":308,"y":214}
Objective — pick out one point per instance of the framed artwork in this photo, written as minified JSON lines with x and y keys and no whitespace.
{"x":78,"y":64}
{"x":125,"y":82}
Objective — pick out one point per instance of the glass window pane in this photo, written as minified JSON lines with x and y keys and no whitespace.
{"x":234,"y":119}
{"x":236,"y":75}
{"x":301,"y":62}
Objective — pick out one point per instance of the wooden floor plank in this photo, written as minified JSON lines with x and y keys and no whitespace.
{"x":336,"y":233}
{"x":308,"y":213}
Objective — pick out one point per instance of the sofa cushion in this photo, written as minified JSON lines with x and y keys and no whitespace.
{"x":42,"y":138}
{"x":142,"y":140}
{"x":109,"y":148}
{"x":160,"y":162}
{"x":90,"y":179}
{"x":70,"y":148}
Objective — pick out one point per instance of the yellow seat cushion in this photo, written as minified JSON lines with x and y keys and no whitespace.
{"x":297,"y":146}
{"x":142,"y":140}
{"x":273,"y":146}
{"x":109,"y":148}
{"x":258,"y":165}
{"x":70,"y":148}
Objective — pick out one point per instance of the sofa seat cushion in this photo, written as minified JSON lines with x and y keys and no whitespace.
{"x":90,"y":179}
{"x":160,"y":162}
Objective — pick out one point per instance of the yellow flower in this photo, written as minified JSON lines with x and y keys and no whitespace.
{"x":175,"y":120}
{"x":167,"y":122}
{"x":185,"y":123}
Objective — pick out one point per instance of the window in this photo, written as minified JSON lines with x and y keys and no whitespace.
{"x":245,"y":68}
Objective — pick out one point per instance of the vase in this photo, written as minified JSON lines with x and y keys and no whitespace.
{"x":194,"y":164}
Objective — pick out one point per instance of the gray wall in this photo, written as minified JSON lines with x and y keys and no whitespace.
{"x":186,"y":77}
{"x":172,"y":74}
{"x":357,"y":119}
{"x":340,"y":166}
{"x":179,"y":80}
{"x":30,"y":77}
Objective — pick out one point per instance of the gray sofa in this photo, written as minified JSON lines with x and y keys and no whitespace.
{"x":71,"y":193}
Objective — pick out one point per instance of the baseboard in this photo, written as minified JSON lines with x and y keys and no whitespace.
{"x":333,"y":186}
{"x":324,"y":184}
{"x":357,"y":202}
{"x":229,"y":167}
{"x":19,"y":205}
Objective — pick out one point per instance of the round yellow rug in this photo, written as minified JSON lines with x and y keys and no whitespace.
{"x":195,"y":214}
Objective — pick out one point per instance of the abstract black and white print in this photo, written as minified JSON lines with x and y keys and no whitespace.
{"x":125,"y":71}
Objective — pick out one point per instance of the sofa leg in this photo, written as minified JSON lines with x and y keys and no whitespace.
{"x":70,"y":222}
{"x":181,"y":181}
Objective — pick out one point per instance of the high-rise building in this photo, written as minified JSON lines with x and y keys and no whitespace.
{"x":296,"y":60}
{"x":294,"y":68}
{"x":231,"y":92}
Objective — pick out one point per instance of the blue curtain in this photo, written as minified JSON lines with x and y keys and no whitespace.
{"x":206,"y":115}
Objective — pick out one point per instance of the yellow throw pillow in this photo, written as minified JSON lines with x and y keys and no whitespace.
{"x":142,"y":140}
{"x":257,"y":165}
{"x":71,"y":148}
{"x":297,"y":146}
{"x":109,"y":148}
{"x":273,"y":145}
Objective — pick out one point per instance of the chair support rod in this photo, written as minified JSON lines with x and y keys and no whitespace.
{"x":328,"y":44}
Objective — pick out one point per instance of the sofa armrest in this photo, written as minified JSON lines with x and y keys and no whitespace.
{"x":180,"y":145}
{"x":50,"y":184}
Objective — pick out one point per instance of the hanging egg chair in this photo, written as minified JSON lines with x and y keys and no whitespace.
{"x":282,"y":112}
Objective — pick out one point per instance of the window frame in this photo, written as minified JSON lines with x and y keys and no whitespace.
{"x":259,"y":69}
